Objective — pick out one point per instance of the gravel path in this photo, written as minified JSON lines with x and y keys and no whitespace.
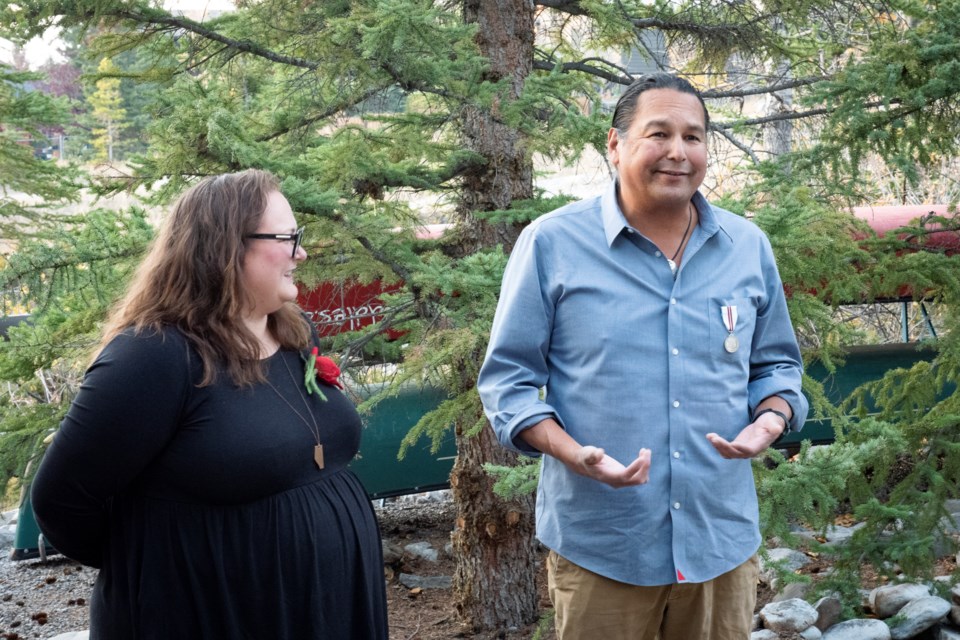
{"x":43,"y":599}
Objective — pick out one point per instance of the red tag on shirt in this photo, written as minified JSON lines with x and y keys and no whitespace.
{"x":680,"y":576}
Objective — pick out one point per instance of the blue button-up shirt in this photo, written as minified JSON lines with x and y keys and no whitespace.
{"x":630,"y":357}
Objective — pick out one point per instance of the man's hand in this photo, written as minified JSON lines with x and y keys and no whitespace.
{"x":592,"y":462}
{"x":754,"y":438}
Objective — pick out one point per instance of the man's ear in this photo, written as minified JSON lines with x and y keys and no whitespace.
{"x":613,"y":147}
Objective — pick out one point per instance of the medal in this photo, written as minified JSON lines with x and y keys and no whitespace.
{"x":729,"y":315}
{"x":730,"y":343}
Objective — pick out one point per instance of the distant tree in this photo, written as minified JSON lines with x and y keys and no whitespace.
{"x":29,"y":187}
{"x":106,"y":111}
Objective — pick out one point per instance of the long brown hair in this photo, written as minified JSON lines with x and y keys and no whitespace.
{"x":191,"y":278}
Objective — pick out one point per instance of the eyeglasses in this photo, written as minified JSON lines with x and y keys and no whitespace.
{"x":296,"y":237}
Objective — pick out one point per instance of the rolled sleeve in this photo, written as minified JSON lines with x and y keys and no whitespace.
{"x":776,"y":366}
{"x":515,"y":369}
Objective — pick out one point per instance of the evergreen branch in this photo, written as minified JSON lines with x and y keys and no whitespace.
{"x":12,"y":275}
{"x":712,"y":94}
{"x":739,"y":145}
{"x":570,"y":7}
{"x":327,"y":113}
{"x":173,"y":23}
{"x":390,"y":317}
{"x":581,"y":65}
{"x":382,"y":257}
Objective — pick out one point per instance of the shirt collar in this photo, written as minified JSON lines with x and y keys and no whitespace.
{"x":614,"y":222}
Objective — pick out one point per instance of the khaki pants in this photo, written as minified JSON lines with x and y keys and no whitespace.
{"x":591,"y":607}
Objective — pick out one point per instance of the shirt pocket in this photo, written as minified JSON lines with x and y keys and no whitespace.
{"x":721,"y":346}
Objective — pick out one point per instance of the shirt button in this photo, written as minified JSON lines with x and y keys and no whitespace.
{"x":676,"y":352}
{"x":676,"y":505}
{"x":676,"y":403}
{"x":657,"y":253}
{"x":673,"y":301}
{"x":676,"y":454}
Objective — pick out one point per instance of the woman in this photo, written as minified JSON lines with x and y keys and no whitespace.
{"x":194,"y":467}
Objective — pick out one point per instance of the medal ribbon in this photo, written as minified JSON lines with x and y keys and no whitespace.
{"x":729,"y":315}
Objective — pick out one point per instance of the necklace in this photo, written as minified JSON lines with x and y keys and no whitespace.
{"x":672,"y":260}
{"x":315,"y":428}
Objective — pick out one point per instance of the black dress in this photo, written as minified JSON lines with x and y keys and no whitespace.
{"x":203,"y":507}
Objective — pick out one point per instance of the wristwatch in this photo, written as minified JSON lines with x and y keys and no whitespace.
{"x":781,"y":414}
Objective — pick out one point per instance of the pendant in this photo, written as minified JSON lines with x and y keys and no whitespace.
{"x":731,"y":344}
{"x":318,"y":455}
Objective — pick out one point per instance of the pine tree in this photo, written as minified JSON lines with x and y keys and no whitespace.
{"x":106,"y":109}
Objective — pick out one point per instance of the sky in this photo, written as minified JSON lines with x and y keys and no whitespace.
{"x":40,"y":50}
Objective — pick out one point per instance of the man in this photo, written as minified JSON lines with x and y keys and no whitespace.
{"x":658,"y":327}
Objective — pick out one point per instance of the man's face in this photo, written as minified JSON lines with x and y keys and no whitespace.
{"x":663,"y":158}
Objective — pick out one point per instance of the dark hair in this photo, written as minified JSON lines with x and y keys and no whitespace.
{"x":191,"y":278}
{"x":627,"y":104}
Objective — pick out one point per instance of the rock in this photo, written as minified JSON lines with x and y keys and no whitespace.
{"x":8,"y":534}
{"x":392,"y":553}
{"x":918,"y":616}
{"x":422,"y":550}
{"x":955,"y":594}
{"x":948,"y":634}
{"x":411,"y":581}
{"x":828,"y":611}
{"x":448,"y":549}
{"x":9,"y":516}
{"x":793,"y":590}
{"x":792,"y":615}
{"x":756,"y":622}
{"x":837,"y":535}
{"x":887,"y":600}
{"x":764,"y":634}
{"x":811,"y":633}
{"x":786,"y":559}
{"x":955,"y":614}
{"x":859,"y":629}
{"x":73,"y":635}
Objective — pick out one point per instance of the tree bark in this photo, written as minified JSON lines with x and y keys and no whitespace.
{"x":495,"y":580}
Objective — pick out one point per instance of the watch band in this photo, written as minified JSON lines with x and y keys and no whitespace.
{"x":781,"y":414}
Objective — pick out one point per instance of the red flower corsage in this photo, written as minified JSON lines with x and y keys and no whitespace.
{"x":323,"y":369}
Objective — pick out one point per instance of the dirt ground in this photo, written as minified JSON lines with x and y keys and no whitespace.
{"x":429,"y":614}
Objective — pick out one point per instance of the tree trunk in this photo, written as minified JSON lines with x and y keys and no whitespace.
{"x":494,"y":582}
{"x":495,"y":578}
{"x":505,"y":38}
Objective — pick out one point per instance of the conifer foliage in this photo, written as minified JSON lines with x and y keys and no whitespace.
{"x":379,"y":115}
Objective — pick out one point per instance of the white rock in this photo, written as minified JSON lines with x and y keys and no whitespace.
{"x":885,"y":601}
{"x":948,"y":634}
{"x":793,"y":590}
{"x":955,"y":594}
{"x":919,"y":615}
{"x":859,"y":629}
{"x":422,"y":550}
{"x":788,"y":559}
{"x":792,"y":615}
{"x":811,"y":633}
{"x":73,"y":635}
{"x":837,"y":535}
{"x":764,"y":634}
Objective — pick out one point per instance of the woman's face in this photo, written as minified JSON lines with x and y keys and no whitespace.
{"x":268,"y":264}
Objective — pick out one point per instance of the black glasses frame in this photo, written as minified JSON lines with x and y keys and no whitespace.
{"x":296,"y":236}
